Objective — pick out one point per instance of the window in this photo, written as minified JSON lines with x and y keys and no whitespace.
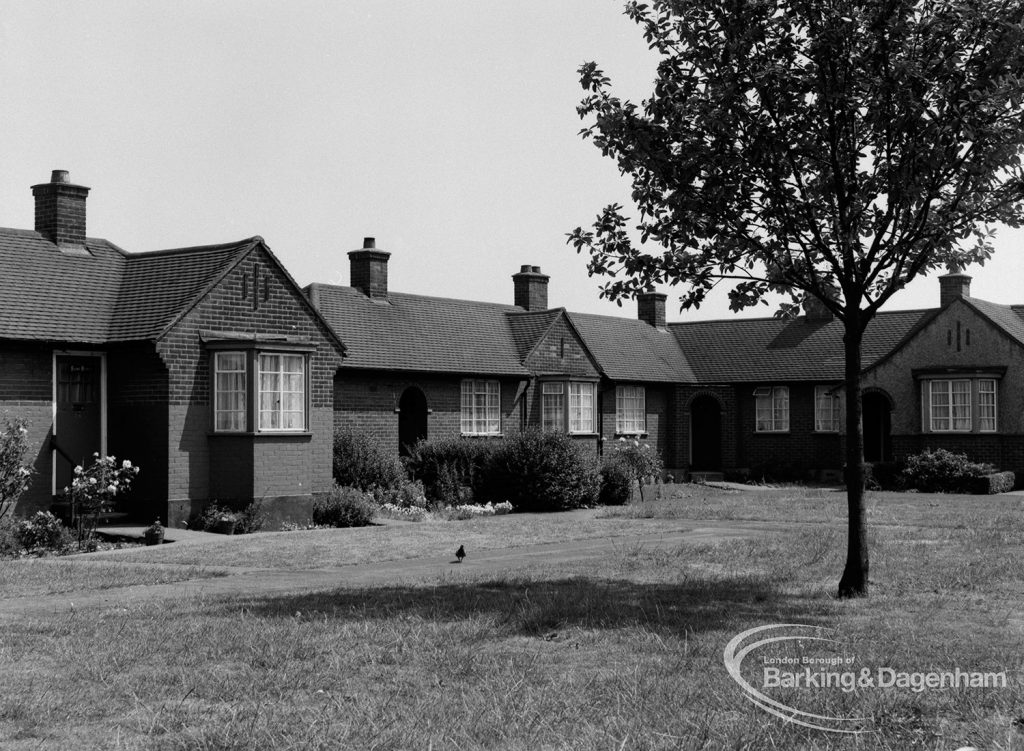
{"x":481,"y":408}
{"x":772,"y":409}
{"x":960,"y":405}
{"x":229,"y":391}
{"x":553,"y":407}
{"x":578,"y":413}
{"x":987,"y":405}
{"x":950,"y":405}
{"x":630,"y":410}
{"x":279,"y":382}
{"x":581,"y":407}
{"x":826,"y":410}
{"x":282,"y":403}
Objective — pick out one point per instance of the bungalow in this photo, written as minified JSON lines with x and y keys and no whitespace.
{"x":210,"y":368}
{"x":205,"y":366}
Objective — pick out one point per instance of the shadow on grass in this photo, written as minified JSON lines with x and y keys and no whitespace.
{"x":538,"y":607}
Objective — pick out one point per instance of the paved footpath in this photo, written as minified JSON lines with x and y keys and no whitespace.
{"x":259,"y":582}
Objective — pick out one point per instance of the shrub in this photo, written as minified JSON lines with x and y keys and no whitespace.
{"x":42,"y":532}
{"x":407,"y":494}
{"x":450,"y":469}
{"x":344,"y":507}
{"x":616,"y":483}
{"x":538,"y":471}
{"x":997,"y":482}
{"x":360,"y":462}
{"x":640,"y":462}
{"x":251,"y":519}
{"x":222,"y":518}
{"x":93,"y":490}
{"x":9,"y":544}
{"x":14,"y":474}
{"x":942,"y":471}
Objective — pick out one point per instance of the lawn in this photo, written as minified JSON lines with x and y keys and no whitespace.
{"x":28,"y":577}
{"x":624,"y":653}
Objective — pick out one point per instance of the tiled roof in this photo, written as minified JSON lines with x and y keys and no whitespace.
{"x":529,"y":326}
{"x":419,"y":333}
{"x":103,"y":296}
{"x":46,"y":294}
{"x":771,"y":349}
{"x":628,"y":349}
{"x":1010,"y":318}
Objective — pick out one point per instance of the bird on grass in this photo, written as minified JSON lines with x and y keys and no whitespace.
{"x":460,"y":553}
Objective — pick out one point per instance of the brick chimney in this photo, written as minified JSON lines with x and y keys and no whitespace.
{"x":531,"y":288}
{"x":60,"y":210}
{"x":952,"y":286}
{"x":369,"y":269}
{"x":650,"y":308}
{"x":815,"y":310}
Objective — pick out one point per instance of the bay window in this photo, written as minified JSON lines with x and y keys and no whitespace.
{"x":259,"y":391}
{"x":959,"y":405}
{"x":578,"y":412}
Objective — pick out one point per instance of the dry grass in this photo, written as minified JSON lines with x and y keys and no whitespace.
{"x":622,"y":654}
{"x":29,"y":577}
{"x":330,"y":548}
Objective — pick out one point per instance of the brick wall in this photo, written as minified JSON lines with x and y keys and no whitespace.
{"x":561,"y":352}
{"x":137,"y":425}
{"x":366,"y":403}
{"x":799,"y":447}
{"x":26,"y":391}
{"x":255,"y":298}
{"x":657,"y":404}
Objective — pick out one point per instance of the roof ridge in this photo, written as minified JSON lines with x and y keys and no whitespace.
{"x":141,"y":255}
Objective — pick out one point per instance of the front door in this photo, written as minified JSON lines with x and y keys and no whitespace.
{"x":78,"y":430}
{"x":412,"y":419}
{"x":877,"y":423}
{"x":705,"y":434}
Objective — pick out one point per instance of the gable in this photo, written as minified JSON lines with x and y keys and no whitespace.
{"x":561,"y":351}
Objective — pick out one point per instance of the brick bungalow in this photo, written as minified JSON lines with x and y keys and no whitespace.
{"x":214,"y":372}
{"x":205,"y":366}
{"x":428,"y":367}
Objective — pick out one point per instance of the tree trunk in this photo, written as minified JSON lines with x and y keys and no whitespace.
{"x":854,"y":582}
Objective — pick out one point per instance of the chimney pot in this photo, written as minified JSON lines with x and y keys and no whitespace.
{"x":953,"y":286}
{"x":59,"y":176}
{"x":531,"y":288}
{"x":369,"y":242}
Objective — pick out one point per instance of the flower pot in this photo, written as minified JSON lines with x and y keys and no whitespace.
{"x":155,"y":537}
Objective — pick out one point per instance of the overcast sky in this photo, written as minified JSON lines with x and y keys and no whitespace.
{"x":446,"y":129}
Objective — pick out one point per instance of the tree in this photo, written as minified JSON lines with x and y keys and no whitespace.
{"x":821,"y":149}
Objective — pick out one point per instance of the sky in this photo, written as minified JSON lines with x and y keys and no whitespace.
{"x":446,"y":129}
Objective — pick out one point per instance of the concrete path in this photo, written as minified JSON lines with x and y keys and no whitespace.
{"x":269,"y":582}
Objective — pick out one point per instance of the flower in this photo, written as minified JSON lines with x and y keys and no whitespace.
{"x":126,"y":464}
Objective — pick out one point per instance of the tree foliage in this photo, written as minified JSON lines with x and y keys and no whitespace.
{"x":821,"y":149}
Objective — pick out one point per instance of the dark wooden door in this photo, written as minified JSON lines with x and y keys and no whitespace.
{"x":79,"y":414}
{"x":412,"y":419}
{"x":705,"y":434}
{"x":877,"y":429}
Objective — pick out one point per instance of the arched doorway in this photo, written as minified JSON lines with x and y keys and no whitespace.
{"x":877,"y":427}
{"x":705,"y":434}
{"x":412,"y":419}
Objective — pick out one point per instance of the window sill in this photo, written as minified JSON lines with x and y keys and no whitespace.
{"x":482,"y":435}
{"x":642,"y":434}
{"x":583,"y":435}
{"x":262,"y":434}
{"x":771,"y":432}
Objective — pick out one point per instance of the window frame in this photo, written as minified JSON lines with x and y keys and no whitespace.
{"x":252,"y":350}
{"x":778,"y":394}
{"x":960,"y":411}
{"x":471,"y":387}
{"x":218,"y":393}
{"x":576,"y":422}
{"x":630,"y":410}
{"x":834,"y":417}
{"x":556,"y":407}
{"x":566,"y":410}
{"x":281,"y":391}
